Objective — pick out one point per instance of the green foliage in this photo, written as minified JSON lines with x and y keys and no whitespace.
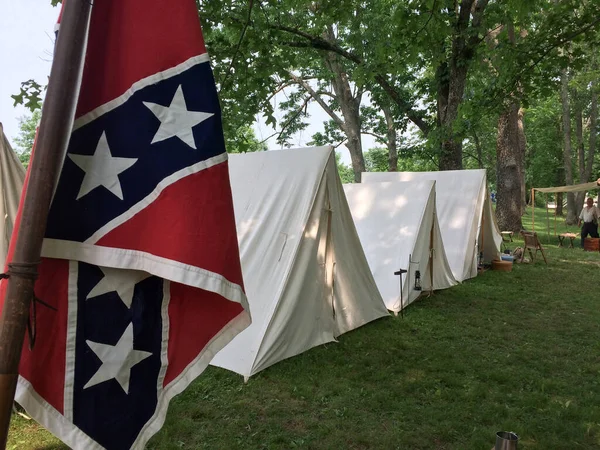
{"x":30,"y":95}
{"x":544,"y":143}
{"x":346,"y":173}
{"x":376,"y":160}
{"x":27,"y":129}
{"x":243,"y":140}
{"x":398,"y":54}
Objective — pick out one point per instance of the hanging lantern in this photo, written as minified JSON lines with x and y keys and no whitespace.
{"x":417,"y":280}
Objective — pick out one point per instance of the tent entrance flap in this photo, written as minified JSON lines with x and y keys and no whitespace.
{"x":329,"y":261}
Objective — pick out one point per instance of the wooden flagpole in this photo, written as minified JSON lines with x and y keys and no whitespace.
{"x":55,"y":128}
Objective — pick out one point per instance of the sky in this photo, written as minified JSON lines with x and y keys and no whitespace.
{"x":26,"y":46}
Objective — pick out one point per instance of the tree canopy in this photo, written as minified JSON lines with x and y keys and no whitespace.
{"x":439,"y":84}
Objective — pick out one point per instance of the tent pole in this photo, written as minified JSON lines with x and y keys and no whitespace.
{"x":482,"y":245}
{"x":555,"y":206}
{"x":407,"y":283}
{"x":532,"y":210}
{"x":400,"y":272}
{"x":55,"y":130}
{"x":548,"y":216}
{"x":401,"y":299}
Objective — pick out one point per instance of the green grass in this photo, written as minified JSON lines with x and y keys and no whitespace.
{"x":512,"y":351}
{"x":547,"y":226}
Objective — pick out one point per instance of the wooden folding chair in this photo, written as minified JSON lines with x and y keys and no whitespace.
{"x":532,"y":243}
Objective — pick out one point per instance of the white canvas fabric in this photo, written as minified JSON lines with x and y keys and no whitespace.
{"x":398,"y":228}
{"x":12,"y":177}
{"x":307,"y":278}
{"x":466,"y":217}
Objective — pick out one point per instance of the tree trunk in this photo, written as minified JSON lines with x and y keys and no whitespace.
{"x":521,"y":160}
{"x":392,"y":143}
{"x":579,"y":196}
{"x":508,"y":176}
{"x":560,"y":180}
{"x":478,"y":149}
{"x":593,"y":131}
{"x":451,"y":87}
{"x":350,"y":106}
{"x":567,"y":153}
{"x":452,"y":78}
{"x":351,"y":112}
{"x":559,"y":204}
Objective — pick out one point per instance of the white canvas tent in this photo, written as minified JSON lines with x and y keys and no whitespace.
{"x":398,"y":227}
{"x":306,"y":275}
{"x":467,"y":219}
{"x":12,"y":177}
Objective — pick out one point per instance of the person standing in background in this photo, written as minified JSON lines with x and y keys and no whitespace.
{"x":589,"y":216}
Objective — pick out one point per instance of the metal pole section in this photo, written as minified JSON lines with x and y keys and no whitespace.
{"x":55,"y":128}
{"x":399,"y":273}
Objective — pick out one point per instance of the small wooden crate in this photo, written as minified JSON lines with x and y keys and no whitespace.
{"x":591,"y":245}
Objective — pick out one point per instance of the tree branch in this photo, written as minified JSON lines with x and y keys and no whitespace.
{"x":375,"y":135}
{"x":428,"y":20}
{"x":556,"y":44}
{"x":239,"y":44}
{"x":340,"y":143}
{"x":278,"y":89}
{"x":317,"y":42}
{"x":291,"y":119}
{"x":329,"y":94}
{"x":414,"y":116}
{"x":322,"y":44}
{"x":340,"y":123}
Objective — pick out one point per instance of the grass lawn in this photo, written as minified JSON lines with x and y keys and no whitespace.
{"x":515,"y":351}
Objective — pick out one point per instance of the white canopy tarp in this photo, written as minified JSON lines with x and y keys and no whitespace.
{"x":12,"y":177}
{"x":398,"y":227}
{"x":466,"y":217}
{"x":573,"y":188}
{"x":306,"y":275}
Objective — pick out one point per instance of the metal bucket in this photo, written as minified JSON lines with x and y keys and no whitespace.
{"x":506,"y":440}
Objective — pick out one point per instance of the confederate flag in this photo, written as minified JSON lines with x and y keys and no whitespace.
{"x":141,"y":271}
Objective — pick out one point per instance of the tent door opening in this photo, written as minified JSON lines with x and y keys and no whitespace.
{"x":329,"y":263}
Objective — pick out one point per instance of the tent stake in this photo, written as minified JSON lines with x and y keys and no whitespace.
{"x":55,"y":128}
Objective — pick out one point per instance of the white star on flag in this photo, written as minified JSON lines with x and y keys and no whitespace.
{"x":102,"y":169}
{"x":121,"y":281}
{"x":117,"y":360}
{"x":176,"y":120}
